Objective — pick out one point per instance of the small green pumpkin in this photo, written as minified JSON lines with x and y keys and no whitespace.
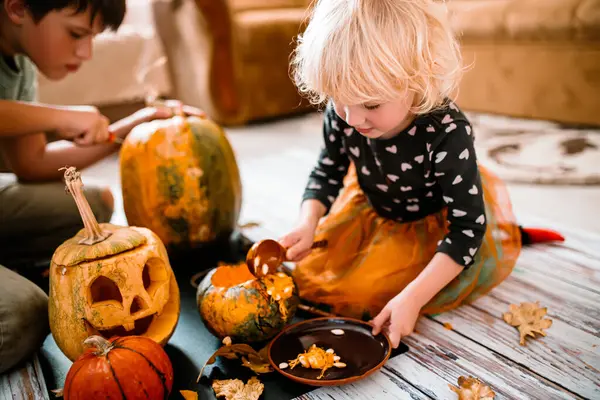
{"x":233,"y":302}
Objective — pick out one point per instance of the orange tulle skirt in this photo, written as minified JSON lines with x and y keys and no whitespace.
{"x":370,"y":259}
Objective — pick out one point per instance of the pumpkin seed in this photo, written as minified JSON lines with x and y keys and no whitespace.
{"x":288,"y":289}
{"x":283,"y":365}
{"x":281,"y":275}
{"x":304,"y":363}
{"x":270,"y":292}
{"x":339,"y":364}
{"x":336,"y":358}
{"x":277,"y":297}
{"x":330,"y":351}
{"x":337,"y":332}
{"x":265,"y":269}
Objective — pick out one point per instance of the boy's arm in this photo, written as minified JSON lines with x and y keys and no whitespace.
{"x":20,"y":118}
{"x":31,"y":159}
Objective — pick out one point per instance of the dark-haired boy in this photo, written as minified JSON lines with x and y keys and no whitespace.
{"x":54,"y":37}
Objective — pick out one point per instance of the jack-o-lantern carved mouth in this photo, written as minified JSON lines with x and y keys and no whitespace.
{"x":140,"y":327}
{"x":109,"y":314}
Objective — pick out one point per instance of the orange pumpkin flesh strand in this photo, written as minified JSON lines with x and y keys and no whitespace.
{"x":280,"y":287}
{"x":128,"y":368}
{"x":94,"y":233}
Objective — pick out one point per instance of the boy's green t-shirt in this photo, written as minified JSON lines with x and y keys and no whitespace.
{"x":18,"y":81}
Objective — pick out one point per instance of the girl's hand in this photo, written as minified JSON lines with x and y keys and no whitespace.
{"x":398,"y":318}
{"x":299,"y":241}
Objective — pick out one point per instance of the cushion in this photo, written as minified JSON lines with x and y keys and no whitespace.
{"x":244,"y":5}
{"x":567,"y":20}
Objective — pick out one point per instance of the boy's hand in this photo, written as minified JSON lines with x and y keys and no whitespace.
{"x":299,"y":241}
{"x":397,"y":319}
{"x":166,"y":109}
{"x":84,"y":125}
{"x":162,"y":110}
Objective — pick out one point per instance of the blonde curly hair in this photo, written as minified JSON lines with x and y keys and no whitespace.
{"x":373,"y":51}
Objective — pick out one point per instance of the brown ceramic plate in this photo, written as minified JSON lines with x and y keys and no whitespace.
{"x":362,"y":352}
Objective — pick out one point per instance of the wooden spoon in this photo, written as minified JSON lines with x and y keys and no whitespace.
{"x":265,"y":256}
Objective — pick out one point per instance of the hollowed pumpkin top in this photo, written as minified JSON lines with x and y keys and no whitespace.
{"x":235,"y":303}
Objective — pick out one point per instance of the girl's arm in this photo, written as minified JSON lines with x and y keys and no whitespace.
{"x":440,"y":271}
{"x":399,"y":316}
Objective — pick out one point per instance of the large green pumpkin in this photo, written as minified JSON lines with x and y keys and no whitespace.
{"x":232,"y":302}
{"x":180,"y":179}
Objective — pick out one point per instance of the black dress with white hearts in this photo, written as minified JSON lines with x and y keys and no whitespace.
{"x":426,"y":167}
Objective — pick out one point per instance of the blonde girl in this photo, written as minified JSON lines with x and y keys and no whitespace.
{"x":414,"y":224}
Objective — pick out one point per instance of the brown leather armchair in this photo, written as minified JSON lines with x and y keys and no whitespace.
{"x":231,"y":57}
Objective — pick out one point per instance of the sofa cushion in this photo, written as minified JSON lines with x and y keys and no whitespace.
{"x":245,"y":5}
{"x":552,"y":20}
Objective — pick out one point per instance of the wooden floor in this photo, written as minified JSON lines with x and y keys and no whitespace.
{"x":565,"y":279}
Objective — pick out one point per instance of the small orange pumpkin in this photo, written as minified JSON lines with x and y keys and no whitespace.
{"x":132,"y":368}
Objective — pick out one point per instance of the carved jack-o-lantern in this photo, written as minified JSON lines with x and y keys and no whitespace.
{"x":111,"y":281}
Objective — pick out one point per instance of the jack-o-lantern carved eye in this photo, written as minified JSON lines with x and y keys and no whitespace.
{"x":154,"y":275}
{"x":104,"y":289}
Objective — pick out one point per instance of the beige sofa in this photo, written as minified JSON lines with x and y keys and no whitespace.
{"x":531,"y":58}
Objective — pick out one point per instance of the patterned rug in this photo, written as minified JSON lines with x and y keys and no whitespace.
{"x":540,"y":152}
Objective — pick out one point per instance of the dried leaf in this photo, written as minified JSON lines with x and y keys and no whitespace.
{"x":189,"y":394}
{"x":235,"y":389}
{"x":258,"y":363}
{"x":229,"y":351}
{"x":472,"y":389}
{"x":529,"y":318}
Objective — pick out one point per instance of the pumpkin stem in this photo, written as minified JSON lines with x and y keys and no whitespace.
{"x":94,"y":233}
{"x":102,"y":345}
